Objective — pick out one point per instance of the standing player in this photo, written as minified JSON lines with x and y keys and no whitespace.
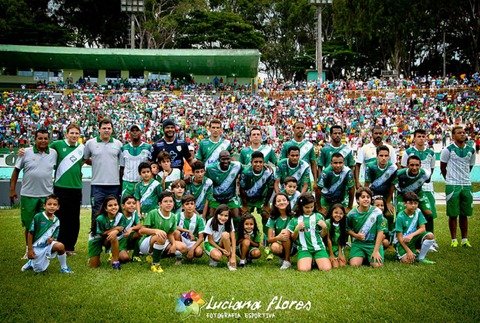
{"x":335,"y":146}
{"x":293,"y":166}
{"x":427,"y":158}
{"x":456,"y":163}
{"x":209,"y":149}
{"x":256,"y":145}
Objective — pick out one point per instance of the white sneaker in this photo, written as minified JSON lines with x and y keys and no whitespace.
{"x":286,"y":265}
{"x":27,"y":266}
{"x":213,"y":263}
{"x":231,"y":267}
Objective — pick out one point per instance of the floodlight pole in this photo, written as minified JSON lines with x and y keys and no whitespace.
{"x":132,"y":30}
{"x":319,"y":56}
{"x":131,"y":7}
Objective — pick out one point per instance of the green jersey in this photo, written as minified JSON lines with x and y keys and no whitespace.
{"x":253,"y":237}
{"x":458,"y":160}
{"x":336,"y":236}
{"x":43,"y":228}
{"x":278,"y":224}
{"x":325,"y":157}
{"x":309,"y":239}
{"x":267,"y":151}
{"x":130,"y":157}
{"x":407,"y":224}
{"x":369,"y":223}
{"x":131,"y":221}
{"x":104,"y":223}
{"x":209,"y":151}
{"x":380,"y":179}
{"x":427,"y":157}
{"x":202,"y":192}
{"x":195,"y":224}
{"x":257,"y":187}
{"x":156,"y":220}
{"x":307,"y":152}
{"x":68,"y":173}
{"x":292,"y":198}
{"x":407,"y":183}
{"x":177,"y":205}
{"x":301,"y":172}
{"x":335,"y":187}
{"x":224,"y":182}
{"x":147,"y":194}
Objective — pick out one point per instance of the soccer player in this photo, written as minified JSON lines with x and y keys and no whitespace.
{"x":335,"y":146}
{"x":224,"y":175}
{"x":201,"y":188}
{"x":293,"y":166}
{"x":190,"y":228}
{"x":427,"y":158}
{"x":209,"y":149}
{"x":147,"y":192}
{"x":336,"y":185}
{"x":256,"y":145}
{"x":456,"y":163}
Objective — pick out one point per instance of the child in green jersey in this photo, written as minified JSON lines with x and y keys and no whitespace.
{"x":178,"y":189}
{"x":200,"y":187}
{"x":365,"y":225}
{"x":248,"y":239}
{"x":278,"y":234}
{"x":190,"y":226}
{"x":379,"y":202}
{"x":41,"y":239}
{"x":308,"y":227}
{"x":221,"y":239}
{"x":290,"y":190}
{"x":155,"y":170}
{"x":337,"y":235}
{"x":147,"y":190}
{"x":131,"y":236}
{"x":108,"y":231}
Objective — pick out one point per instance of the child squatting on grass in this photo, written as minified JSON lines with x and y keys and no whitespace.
{"x":337,"y":235}
{"x":41,"y":240}
{"x":190,"y":227}
{"x":248,"y":239}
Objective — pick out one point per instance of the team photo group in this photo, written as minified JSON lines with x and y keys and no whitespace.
{"x":301,"y":207}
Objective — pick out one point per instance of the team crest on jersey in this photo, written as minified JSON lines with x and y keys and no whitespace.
{"x":64,"y":149}
{"x":179,"y":148}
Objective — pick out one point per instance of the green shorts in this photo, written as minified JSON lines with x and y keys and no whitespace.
{"x":312,"y":254}
{"x":327,"y":205}
{"x":128,"y":188}
{"x":208,"y":247}
{"x":249,"y":250}
{"x":252,"y":205}
{"x":364,"y":250}
{"x":431,"y":198}
{"x":234,"y":203}
{"x":423,"y":204}
{"x":95,"y":247}
{"x":414,"y":244}
{"x":128,"y":243}
{"x":29,"y":206}
{"x":459,"y":200}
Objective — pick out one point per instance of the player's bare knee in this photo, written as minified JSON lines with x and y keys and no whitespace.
{"x":255,"y":254}
{"x":225,"y":235}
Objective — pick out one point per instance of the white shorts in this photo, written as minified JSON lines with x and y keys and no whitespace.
{"x":145,"y":246}
{"x":42,"y":257}
{"x":189,"y":243}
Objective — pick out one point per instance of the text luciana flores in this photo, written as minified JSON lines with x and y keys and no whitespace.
{"x":277,"y":303}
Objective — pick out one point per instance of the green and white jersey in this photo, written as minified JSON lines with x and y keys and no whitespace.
{"x":458,"y":160}
{"x":325,"y":157}
{"x":131,"y":221}
{"x":427,"y":157}
{"x":177,"y":205}
{"x":334,"y":187}
{"x":301,"y":172}
{"x":130,"y":157}
{"x":278,"y":224}
{"x":407,"y":183}
{"x":209,"y":151}
{"x":43,"y":228}
{"x":202,"y":192}
{"x":307,"y":152}
{"x":216,"y":234}
{"x":68,"y":173}
{"x":336,"y":235}
{"x":407,"y":224}
{"x":380,"y":179}
{"x":104,"y":223}
{"x":267,"y":151}
{"x":156,"y":220}
{"x":292,"y":198}
{"x":224,"y":182}
{"x":253,"y":237}
{"x":257,"y":186}
{"x":309,"y":239}
{"x":195,"y":224}
{"x":148,"y":194}
{"x":368,"y":223}
{"x":368,"y":153}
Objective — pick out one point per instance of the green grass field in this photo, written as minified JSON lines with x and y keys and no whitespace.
{"x":446,"y":291}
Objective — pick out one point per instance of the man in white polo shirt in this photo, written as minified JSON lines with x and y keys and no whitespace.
{"x":103,"y":153}
{"x":38,"y":163}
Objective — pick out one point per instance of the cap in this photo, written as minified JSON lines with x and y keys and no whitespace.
{"x":135,"y":126}
{"x":168,"y":122}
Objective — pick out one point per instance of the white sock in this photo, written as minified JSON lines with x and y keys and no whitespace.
{"x":178,"y":254}
{"x":454,"y":240}
{"x":425,"y":248}
{"x":242,"y":262}
{"x":464,"y":240}
{"x":62,"y":259}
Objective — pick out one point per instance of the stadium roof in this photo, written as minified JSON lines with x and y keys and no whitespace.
{"x":238,"y":62}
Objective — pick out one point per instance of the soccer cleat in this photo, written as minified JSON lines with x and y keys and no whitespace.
{"x":466,"y":244}
{"x":267,"y":250}
{"x":109,"y":257}
{"x":149,"y":259}
{"x":270,"y":257}
{"x":27,"y":266}
{"x":156,"y":268}
{"x":426,"y":261}
{"x":285,"y":265}
{"x":213,"y":263}
{"x":454,"y":243}
{"x":116,"y":265}
{"x":66,"y":270}
{"x":232,"y":267}
{"x":136,"y":259}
